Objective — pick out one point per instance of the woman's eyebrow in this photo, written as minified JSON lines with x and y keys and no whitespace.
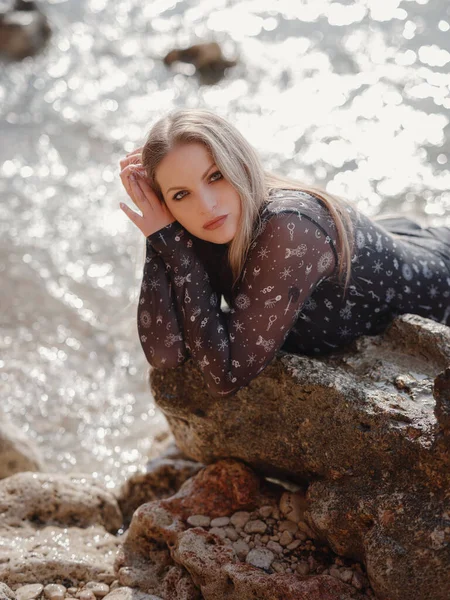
{"x":183,"y":186}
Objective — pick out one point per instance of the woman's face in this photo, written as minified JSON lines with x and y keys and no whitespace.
{"x":196,"y":192}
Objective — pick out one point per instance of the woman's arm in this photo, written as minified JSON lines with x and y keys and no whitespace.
{"x":159,"y":331}
{"x":284,"y":265}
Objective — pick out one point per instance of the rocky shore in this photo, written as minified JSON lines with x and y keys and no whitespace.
{"x":324,"y":479}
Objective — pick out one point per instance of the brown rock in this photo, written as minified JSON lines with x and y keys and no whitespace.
{"x":360,"y":425}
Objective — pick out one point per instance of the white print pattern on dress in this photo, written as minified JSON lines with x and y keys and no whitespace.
{"x":242,"y":301}
{"x":299,"y":251}
{"x":145,"y":319}
{"x":325,"y":261}
{"x":179,"y":280}
{"x":407,"y":272}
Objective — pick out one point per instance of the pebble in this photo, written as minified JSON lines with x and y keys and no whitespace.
{"x":54,"y":591}
{"x":301,"y":535}
{"x":288,"y":526}
{"x":334,"y":572}
{"x":293,"y":545}
{"x":260,"y":557}
{"x":240,"y":518}
{"x":292,"y":505}
{"x":86,"y":595}
{"x":29,"y":592}
{"x":99,"y":589}
{"x":286,"y":538}
{"x":199,"y":520}
{"x":241,"y":548}
{"x":72,"y":590}
{"x":302,"y":568}
{"x":275,"y":547}
{"x":278,"y":567}
{"x":231,"y":533}
{"x":220,"y":522}
{"x":346,"y":575}
{"x":357,"y":580}
{"x":266,"y":511}
{"x":265,"y":539}
{"x":218,"y":531}
{"x":307,"y":529}
{"x":256,"y":526}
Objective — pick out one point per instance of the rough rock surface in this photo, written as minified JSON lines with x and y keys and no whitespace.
{"x":163,"y":477}
{"x":166,"y":553}
{"x":57,"y":528}
{"x":362,"y":428}
{"x":17,"y":452}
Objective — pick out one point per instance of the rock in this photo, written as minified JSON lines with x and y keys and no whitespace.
{"x":53,"y":591}
{"x":286,"y":538}
{"x":220,"y":522}
{"x":256,"y":526}
{"x":162,"y":555}
{"x":360,"y":427}
{"x":127,"y":593}
{"x":207,"y":59}
{"x":260,"y":557}
{"x":199,"y":520}
{"x":164,"y":476}
{"x":288,"y":526}
{"x":29,"y":592}
{"x":98,"y":589}
{"x":240,"y":518}
{"x":24,"y":29}
{"x":57,"y":527}
{"x":292,"y":506}
{"x":17,"y":452}
{"x":6,"y":593}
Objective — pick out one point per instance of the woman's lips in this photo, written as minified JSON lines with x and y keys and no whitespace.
{"x":216,"y":223}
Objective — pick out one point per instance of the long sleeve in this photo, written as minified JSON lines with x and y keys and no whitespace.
{"x":158,"y":328}
{"x":284,"y":264}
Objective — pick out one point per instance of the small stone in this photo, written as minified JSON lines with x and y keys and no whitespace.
{"x":293,"y":545}
{"x":86,"y":595}
{"x":98,"y":589}
{"x":275,"y":547}
{"x":29,"y":592}
{"x":256,"y":526}
{"x":301,"y":535}
{"x":266,"y":511}
{"x":240,"y":518}
{"x":115,"y":584}
{"x":220,"y":521}
{"x":286,"y":538}
{"x":54,"y":591}
{"x":302,"y":568}
{"x":334,"y":572}
{"x":293,"y":505}
{"x":358,"y":580}
{"x":241,"y":548}
{"x":218,"y":531}
{"x":6,"y":593}
{"x":288,"y":526}
{"x":231,"y":533}
{"x":251,"y":544}
{"x":260,"y":557}
{"x":275,"y":538}
{"x":72,"y":590}
{"x":199,"y":520}
{"x":265,"y":539}
{"x":346,"y":575}
{"x":307,"y":529}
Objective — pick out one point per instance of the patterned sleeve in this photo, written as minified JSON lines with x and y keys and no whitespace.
{"x":157,"y":320}
{"x":284,"y":264}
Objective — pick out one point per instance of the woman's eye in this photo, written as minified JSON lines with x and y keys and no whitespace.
{"x":216,"y":173}
{"x":212,"y":177}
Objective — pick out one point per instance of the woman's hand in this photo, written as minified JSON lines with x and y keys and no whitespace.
{"x":155,"y":214}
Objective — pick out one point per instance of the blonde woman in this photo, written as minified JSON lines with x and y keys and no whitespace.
{"x":301,"y":270}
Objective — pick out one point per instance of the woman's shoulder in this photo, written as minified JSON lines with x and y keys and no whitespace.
{"x":298,"y":202}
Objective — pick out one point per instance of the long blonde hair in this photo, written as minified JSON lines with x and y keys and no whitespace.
{"x":241,"y":166}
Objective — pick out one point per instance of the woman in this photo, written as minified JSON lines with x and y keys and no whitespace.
{"x":300,"y":269}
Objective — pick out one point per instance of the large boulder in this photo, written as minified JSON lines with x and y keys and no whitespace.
{"x":366,"y":431}
{"x":229,"y":534}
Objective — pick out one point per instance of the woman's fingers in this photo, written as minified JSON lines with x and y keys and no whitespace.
{"x":133,"y":216}
{"x":129,"y":160}
{"x":125,"y":178}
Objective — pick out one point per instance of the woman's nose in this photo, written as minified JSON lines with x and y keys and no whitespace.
{"x":208,"y":202}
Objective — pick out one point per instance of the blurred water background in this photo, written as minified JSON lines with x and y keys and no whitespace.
{"x":350,"y":95}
